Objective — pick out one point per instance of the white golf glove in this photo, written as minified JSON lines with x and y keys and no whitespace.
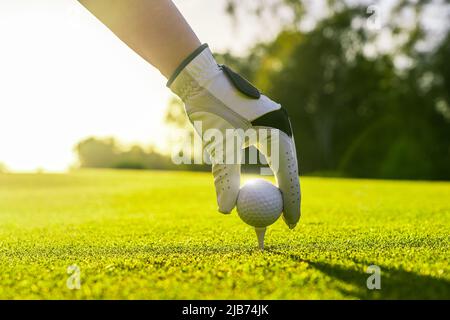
{"x":220,"y":99}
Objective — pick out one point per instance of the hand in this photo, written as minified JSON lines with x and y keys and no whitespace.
{"x":222,"y":105}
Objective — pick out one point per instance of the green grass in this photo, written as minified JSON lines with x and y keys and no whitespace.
{"x":157,"y":235}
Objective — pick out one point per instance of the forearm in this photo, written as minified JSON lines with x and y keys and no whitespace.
{"x":154,"y":29}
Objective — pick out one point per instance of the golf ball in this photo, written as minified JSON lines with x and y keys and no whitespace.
{"x":259,"y":203}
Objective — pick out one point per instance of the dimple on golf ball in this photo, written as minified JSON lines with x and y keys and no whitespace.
{"x":259,"y":203}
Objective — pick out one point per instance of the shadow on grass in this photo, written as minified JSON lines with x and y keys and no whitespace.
{"x":395,"y":283}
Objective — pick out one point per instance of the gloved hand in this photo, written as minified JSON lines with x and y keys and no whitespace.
{"x":219,"y":99}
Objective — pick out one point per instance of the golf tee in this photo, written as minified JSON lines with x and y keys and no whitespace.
{"x":260,"y":233}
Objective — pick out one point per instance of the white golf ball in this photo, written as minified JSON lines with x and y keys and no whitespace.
{"x":259,"y":203}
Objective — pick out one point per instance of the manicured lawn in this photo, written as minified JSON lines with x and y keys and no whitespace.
{"x":157,"y":235}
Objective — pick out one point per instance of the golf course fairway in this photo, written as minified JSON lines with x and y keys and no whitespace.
{"x":157,"y":235}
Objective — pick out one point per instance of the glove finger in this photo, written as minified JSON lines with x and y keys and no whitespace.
{"x":279,"y":150}
{"x":227,"y":182}
{"x":225,"y":157}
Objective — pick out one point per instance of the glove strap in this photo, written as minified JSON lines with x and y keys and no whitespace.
{"x":198,"y":64}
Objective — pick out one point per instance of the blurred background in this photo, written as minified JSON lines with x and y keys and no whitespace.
{"x":366,"y":83}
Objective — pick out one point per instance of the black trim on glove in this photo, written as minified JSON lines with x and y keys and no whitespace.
{"x":240,"y":83}
{"x":277,"y":119}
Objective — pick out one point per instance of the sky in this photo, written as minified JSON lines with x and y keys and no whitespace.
{"x":65,"y":77}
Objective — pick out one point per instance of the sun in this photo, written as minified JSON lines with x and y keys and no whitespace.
{"x":64,"y":77}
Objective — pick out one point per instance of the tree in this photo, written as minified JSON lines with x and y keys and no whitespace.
{"x":96,"y":153}
{"x":107,"y":153}
{"x":355,"y":110}
{"x":356,"y":113}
